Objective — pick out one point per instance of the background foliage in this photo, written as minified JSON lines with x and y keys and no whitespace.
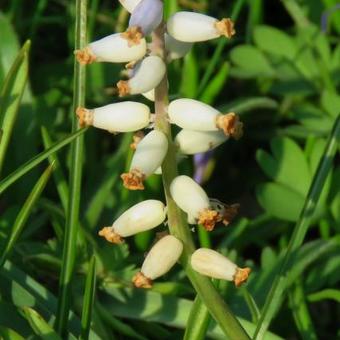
{"x":281,"y":73}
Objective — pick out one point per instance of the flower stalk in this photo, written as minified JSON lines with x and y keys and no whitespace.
{"x":176,"y":218}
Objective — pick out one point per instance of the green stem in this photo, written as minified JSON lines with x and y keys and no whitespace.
{"x":72,"y":216}
{"x":177,"y":221}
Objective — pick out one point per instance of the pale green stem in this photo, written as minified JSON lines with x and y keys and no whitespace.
{"x":176,"y":219}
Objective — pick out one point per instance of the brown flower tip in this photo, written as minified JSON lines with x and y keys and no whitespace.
{"x":229,"y":213}
{"x":137,"y":137}
{"x":208,"y":218}
{"x":133,"y":35}
{"x":230,"y":124}
{"x":225,"y":27}
{"x":131,"y":65}
{"x":123,"y":88}
{"x":133,"y":180}
{"x":141,"y":281}
{"x":109,"y":234}
{"x":85,"y":116}
{"x":241,"y":276}
{"x":85,"y":56}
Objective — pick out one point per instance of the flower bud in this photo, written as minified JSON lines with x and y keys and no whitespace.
{"x":192,"y":199}
{"x":143,"y":216}
{"x":147,"y":74}
{"x":194,"y":27}
{"x":129,"y":5}
{"x":191,"y":142}
{"x":176,"y":49}
{"x":192,"y":114}
{"x":210,"y":263}
{"x":117,"y":117}
{"x":113,"y":49}
{"x":146,"y":16}
{"x":149,"y":156}
{"x":160,"y":259}
{"x":150,"y":95}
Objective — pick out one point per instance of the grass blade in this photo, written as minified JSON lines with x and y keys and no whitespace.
{"x":252,"y":306}
{"x":277,"y":290}
{"x":72,"y":216}
{"x":25,"y":213}
{"x":39,"y":325}
{"x":88,"y":300}
{"x":29,"y":165}
{"x":11,"y":95}
{"x":198,"y":321}
{"x":60,"y":180}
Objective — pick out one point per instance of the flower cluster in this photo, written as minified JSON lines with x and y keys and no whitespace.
{"x":203,"y":128}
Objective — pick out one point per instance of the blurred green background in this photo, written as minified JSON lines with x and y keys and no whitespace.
{"x":280,"y":73}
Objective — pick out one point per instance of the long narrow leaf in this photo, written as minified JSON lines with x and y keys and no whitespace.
{"x":29,"y":165}
{"x":11,"y":95}
{"x":90,"y":287}
{"x":277,"y":290}
{"x":72,"y":216}
{"x":25,"y":213}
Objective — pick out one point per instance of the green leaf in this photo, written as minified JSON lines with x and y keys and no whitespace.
{"x":249,"y":104}
{"x":326,"y":294}
{"x":215,"y":85}
{"x":39,"y":325}
{"x":274,"y":41}
{"x":29,"y":165}
{"x":330,"y":101}
{"x":88,"y":300}
{"x":198,"y":321}
{"x":189,"y":76}
{"x":11,"y":94}
{"x":25,"y":213}
{"x":9,"y":334}
{"x":58,"y":175}
{"x":280,"y":201}
{"x":251,"y":61}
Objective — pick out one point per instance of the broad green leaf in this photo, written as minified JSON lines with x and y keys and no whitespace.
{"x":24,"y":214}
{"x":153,"y":307}
{"x":252,"y":61}
{"x":272,"y":40}
{"x":280,"y":201}
{"x":39,"y":325}
{"x":11,"y":94}
{"x":330,"y":102}
{"x":215,"y":85}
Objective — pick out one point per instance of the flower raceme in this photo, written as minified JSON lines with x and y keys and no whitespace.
{"x":194,"y":115}
{"x":193,"y":200}
{"x":149,"y":156}
{"x":143,"y":216}
{"x":146,"y":75}
{"x":210,"y":263}
{"x":160,"y":259}
{"x":195,"y":27}
{"x":112,"y":49}
{"x":118,"y":117}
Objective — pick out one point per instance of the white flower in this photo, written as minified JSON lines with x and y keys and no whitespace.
{"x":210,"y":263}
{"x":194,"y":27}
{"x":143,"y":216}
{"x":160,"y":259}
{"x":149,"y":156}
{"x":192,"y":114}
{"x":146,"y":75}
{"x":192,"y":199}
{"x":113,"y":48}
{"x":150,"y":95}
{"x":118,"y":117}
{"x":176,"y":49}
{"x":129,"y":5}
{"x":190,"y":142}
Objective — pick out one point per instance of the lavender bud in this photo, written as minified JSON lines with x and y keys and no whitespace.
{"x":146,"y":16}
